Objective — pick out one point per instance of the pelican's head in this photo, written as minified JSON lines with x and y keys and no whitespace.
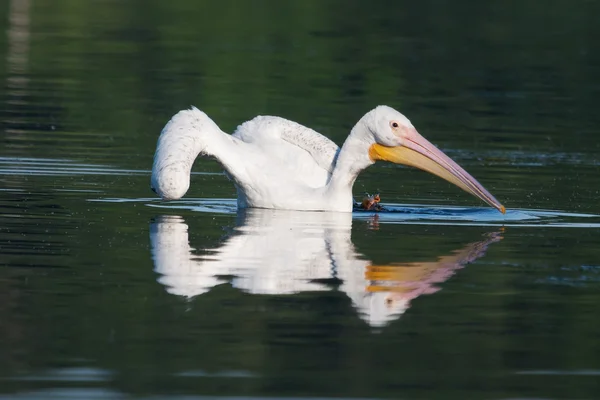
{"x":397,"y":141}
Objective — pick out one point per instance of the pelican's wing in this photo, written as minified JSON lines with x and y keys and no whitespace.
{"x":268,"y":129}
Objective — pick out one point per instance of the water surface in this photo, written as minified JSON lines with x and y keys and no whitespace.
{"x":107,"y":292}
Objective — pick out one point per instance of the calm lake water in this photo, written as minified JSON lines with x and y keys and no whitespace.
{"x":106,"y":292}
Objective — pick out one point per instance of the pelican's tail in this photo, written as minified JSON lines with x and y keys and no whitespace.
{"x":184,"y":137}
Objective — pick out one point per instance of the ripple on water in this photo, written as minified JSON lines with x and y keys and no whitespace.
{"x":574,"y":276}
{"x":416,"y":214}
{"x":393,"y":213}
{"x":478,"y":216}
{"x":54,"y":167}
{"x":523,"y":158}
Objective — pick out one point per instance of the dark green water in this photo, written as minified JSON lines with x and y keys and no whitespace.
{"x":105,"y":292}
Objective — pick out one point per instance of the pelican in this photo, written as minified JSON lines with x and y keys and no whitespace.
{"x":279,"y":164}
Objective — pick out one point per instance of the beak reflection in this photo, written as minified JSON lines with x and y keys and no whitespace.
{"x":276,"y":252}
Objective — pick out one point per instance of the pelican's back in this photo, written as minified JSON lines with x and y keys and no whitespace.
{"x":270,"y":129}
{"x":274,"y":162}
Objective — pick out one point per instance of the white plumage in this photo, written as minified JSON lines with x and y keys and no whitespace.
{"x":280,"y":164}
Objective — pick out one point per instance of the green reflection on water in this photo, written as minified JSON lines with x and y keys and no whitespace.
{"x":508,"y":90}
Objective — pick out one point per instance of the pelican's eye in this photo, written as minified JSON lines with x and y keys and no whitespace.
{"x":394,"y":124}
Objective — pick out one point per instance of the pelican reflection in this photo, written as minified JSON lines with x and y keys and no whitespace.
{"x":279,"y":252}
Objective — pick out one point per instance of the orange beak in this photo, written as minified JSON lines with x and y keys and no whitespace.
{"x":418,"y":152}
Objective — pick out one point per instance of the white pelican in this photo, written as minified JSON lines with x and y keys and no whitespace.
{"x":276,"y":163}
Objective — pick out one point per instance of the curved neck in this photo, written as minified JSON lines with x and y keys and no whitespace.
{"x":352,"y":159}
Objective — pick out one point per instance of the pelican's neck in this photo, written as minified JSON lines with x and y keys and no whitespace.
{"x":352,"y":159}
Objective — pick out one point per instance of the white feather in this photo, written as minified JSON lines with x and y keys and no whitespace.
{"x":276,"y":163}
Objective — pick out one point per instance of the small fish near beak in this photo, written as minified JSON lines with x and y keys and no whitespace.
{"x":418,"y":152}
